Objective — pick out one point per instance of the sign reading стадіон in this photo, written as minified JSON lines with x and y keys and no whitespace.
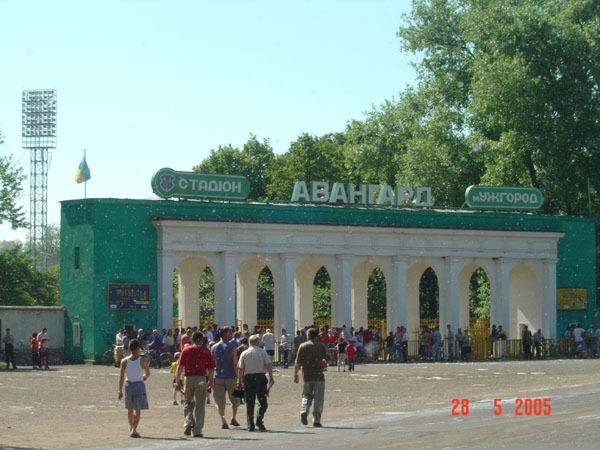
{"x":511,"y":198}
{"x":168,"y":183}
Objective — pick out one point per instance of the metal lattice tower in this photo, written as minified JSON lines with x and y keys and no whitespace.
{"x":39,"y":136}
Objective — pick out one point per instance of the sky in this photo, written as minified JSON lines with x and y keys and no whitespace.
{"x":143,"y":85}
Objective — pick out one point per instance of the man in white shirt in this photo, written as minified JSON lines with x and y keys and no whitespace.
{"x":252,"y":366}
{"x":286,"y":347}
{"x":579,"y":334}
{"x":269,"y":343}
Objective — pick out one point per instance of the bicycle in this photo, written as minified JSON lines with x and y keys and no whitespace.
{"x":108,"y":358}
{"x":159,"y":358}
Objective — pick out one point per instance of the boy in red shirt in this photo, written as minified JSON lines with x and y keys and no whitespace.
{"x":350,"y":354}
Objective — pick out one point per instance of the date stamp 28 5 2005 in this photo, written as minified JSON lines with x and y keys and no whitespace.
{"x":524,"y":407}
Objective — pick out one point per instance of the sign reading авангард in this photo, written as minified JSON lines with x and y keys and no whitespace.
{"x":167,"y":183}
{"x":513,"y":198}
{"x":363,"y":194}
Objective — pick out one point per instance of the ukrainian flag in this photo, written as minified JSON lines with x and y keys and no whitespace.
{"x":83,"y":171}
{"x":591,"y":188}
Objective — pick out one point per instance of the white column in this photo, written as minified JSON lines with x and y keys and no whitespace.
{"x":450,"y":305}
{"x":189,"y":281}
{"x":166,"y":266}
{"x":341,"y":295}
{"x":225,"y":281}
{"x":500,"y":297}
{"x":285,"y":294}
{"x":548,"y":296}
{"x":396,"y":294}
{"x":359,"y":310}
{"x":246,"y":281}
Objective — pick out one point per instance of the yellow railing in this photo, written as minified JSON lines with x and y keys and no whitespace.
{"x":482,"y":349}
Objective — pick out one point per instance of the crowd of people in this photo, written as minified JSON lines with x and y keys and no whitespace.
{"x":231,"y":362}
{"x":585,"y":343}
{"x":38,"y":346}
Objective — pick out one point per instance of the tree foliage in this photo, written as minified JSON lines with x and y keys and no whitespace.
{"x":479,"y":294}
{"x":516,"y":82}
{"x":309,"y":158}
{"x":22,"y":285}
{"x":322,"y":295}
{"x":265,"y":293}
{"x":11,"y":178}
{"x":253,"y":161}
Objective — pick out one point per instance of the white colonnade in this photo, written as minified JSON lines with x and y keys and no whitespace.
{"x":521,"y":267}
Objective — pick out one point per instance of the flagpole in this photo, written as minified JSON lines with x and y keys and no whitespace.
{"x":589,"y":198}
{"x":85,"y":182}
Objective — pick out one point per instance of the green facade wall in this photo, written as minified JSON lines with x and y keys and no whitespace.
{"x":117,"y":243}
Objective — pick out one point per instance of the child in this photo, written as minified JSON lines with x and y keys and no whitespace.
{"x":350,"y":355}
{"x":44,"y":353}
{"x":341,"y":350}
{"x":35,"y":349}
{"x":176,"y":389}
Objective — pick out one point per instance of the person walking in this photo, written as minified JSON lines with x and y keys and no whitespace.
{"x":311,"y":358}
{"x":436,"y":340}
{"x":34,"y":346}
{"x":268,"y":340}
{"x":538,"y":339}
{"x":286,"y":347}
{"x":526,"y":340}
{"x":350,"y":354}
{"x":225,"y":354}
{"x":449,"y":343}
{"x":134,"y":372}
{"x":253,"y":364}
{"x":197,"y":365}
{"x":9,"y":349}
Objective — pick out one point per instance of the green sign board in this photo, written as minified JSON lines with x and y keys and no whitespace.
{"x":506,"y":198}
{"x":167,"y":183}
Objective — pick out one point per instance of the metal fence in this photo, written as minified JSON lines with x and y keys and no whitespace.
{"x":482,"y":349}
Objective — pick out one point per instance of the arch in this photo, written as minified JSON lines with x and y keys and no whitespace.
{"x":464,"y":280}
{"x":413,"y":307}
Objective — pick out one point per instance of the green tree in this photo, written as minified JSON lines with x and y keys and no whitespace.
{"x":265,"y":293}
{"x":321,"y":295}
{"x":429,"y":294}
{"x":309,"y":158}
{"x":515,"y":86}
{"x":376,"y":294}
{"x":374,"y":146}
{"x":479,"y":294}
{"x":22,"y":285}
{"x":11,"y":178}
{"x":206,"y":294}
{"x":253,"y":162}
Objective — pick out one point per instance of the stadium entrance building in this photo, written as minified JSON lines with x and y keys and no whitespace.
{"x":118,"y":259}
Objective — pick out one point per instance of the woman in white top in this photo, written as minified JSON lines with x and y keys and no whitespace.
{"x":134,"y":371}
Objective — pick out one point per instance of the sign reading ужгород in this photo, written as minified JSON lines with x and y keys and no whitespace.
{"x":506,"y":198}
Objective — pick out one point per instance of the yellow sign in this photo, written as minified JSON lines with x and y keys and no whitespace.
{"x":567,"y":299}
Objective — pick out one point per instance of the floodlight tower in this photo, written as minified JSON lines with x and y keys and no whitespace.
{"x":39,"y":136}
